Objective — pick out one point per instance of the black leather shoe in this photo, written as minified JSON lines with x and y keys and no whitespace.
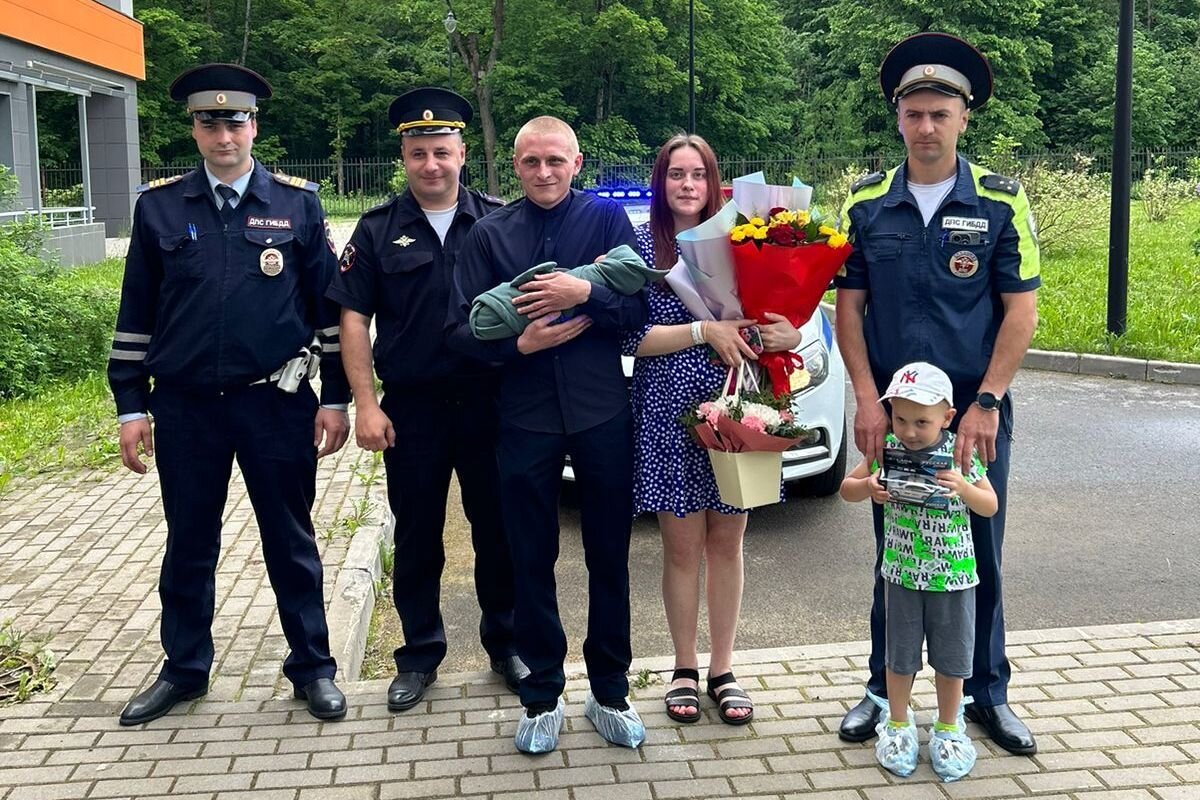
{"x":408,"y":688}
{"x":1003,"y":727}
{"x":156,"y":701}
{"x":325,"y":699}
{"x":512,"y":669}
{"x":859,"y":723}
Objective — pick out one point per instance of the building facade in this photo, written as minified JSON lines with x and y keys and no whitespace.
{"x":91,"y":49}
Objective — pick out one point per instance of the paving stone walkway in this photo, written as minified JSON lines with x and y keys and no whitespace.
{"x":79,"y":564}
{"x":1116,"y":708}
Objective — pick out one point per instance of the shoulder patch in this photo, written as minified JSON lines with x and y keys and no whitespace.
{"x":158,"y":183}
{"x":999,"y":183}
{"x":867,"y":180}
{"x":294,"y":182}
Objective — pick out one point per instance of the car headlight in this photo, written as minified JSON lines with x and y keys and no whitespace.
{"x":816,"y":361}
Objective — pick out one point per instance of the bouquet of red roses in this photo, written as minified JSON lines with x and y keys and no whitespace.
{"x":783,"y":263}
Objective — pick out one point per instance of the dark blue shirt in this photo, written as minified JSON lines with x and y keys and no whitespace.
{"x":396,"y":269}
{"x":933,"y":291}
{"x":207,"y":306}
{"x":579,"y":384}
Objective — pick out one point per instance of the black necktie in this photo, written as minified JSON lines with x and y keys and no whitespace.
{"x":228,"y":194}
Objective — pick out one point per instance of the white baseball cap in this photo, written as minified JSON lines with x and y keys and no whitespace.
{"x":922,"y":383}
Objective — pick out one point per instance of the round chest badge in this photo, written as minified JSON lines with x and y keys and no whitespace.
{"x":271,"y":262}
{"x":964,"y":264}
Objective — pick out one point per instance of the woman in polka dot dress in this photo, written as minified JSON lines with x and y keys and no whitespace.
{"x":672,"y":474}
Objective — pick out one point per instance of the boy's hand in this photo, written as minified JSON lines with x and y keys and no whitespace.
{"x":878,"y":493}
{"x":953,"y":480}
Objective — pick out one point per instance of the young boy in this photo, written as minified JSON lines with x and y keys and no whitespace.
{"x":928,"y":567}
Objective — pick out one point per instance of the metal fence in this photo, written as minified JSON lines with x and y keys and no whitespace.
{"x":354,"y":185}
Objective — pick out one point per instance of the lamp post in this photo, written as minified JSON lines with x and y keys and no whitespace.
{"x":691,"y":66}
{"x":1118,"y":225}
{"x":451,"y":25}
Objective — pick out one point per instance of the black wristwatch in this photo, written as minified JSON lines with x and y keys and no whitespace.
{"x":988,"y":401}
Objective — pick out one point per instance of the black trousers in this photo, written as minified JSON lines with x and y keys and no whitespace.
{"x":988,"y":683}
{"x":530,"y":478}
{"x":439,"y":431}
{"x":270,"y":433}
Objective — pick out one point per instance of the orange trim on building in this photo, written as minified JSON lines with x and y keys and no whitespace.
{"x":84,"y":30}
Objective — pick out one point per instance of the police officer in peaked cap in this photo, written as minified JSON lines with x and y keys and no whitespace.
{"x":438,"y":412}
{"x":222,"y":320}
{"x":945,"y":269}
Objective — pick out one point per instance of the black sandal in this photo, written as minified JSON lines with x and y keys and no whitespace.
{"x":683,"y":696}
{"x":732,"y":697}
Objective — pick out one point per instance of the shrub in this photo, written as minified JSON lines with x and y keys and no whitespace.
{"x":1161,"y":192}
{"x":1069,"y":203}
{"x":63,"y":198}
{"x":833,"y":193}
{"x":51,"y":328}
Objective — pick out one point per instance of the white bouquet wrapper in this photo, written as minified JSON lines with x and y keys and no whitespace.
{"x":754,"y":195}
{"x":703,"y":277}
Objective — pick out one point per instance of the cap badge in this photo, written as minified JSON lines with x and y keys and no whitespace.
{"x":221,"y":98}
{"x":270,"y":261}
{"x":964,"y":264}
{"x":404,"y":241}
{"x":427,"y":115}
{"x":929,"y":71}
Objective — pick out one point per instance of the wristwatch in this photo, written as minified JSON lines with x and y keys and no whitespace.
{"x":988,"y":401}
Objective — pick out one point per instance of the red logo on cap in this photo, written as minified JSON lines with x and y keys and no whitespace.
{"x":909,"y":377}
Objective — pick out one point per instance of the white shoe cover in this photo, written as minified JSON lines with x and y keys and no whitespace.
{"x":623,"y":728}
{"x":540,"y":734}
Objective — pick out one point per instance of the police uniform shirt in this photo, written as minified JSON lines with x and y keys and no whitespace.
{"x":934,"y":290}
{"x":239,"y":185}
{"x":576,"y":385}
{"x":208,"y":307}
{"x":396,"y":269}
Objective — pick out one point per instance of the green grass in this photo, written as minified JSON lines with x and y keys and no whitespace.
{"x":67,"y":426}
{"x":1164,"y":292}
{"x":64,"y":428}
{"x":105,"y":274}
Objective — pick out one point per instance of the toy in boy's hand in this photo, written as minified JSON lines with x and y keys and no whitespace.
{"x":910,"y":477}
{"x":752,"y":336}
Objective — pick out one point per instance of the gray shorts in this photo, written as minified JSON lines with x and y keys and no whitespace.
{"x":945,"y":619}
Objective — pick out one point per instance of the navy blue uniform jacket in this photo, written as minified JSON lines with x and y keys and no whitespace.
{"x":199,"y":312}
{"x":579,"y":384}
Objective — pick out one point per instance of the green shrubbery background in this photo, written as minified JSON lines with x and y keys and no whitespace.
{"x":55,"y":325}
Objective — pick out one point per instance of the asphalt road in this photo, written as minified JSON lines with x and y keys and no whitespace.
{"x":1101,"y":529}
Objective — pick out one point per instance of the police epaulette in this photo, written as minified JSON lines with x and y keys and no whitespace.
{"x":158,"y":183}
{"x":1000,"y":183}
{"x":294,"y":182}
{"x":867,"y":180}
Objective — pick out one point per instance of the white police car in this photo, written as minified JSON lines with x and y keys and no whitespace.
{"x":816,"y":465}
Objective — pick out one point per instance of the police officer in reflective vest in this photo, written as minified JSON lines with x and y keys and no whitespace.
{"x":945,"y":270}
{"x":222,"y":320}
{"x":438,"y":414}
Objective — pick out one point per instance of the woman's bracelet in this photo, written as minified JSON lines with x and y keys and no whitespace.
{"x":698,"y":332}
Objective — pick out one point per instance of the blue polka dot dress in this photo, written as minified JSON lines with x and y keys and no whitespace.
{"x":671,"y":472}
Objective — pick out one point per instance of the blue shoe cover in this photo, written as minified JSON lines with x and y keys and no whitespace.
{"x":896,"y":749}
{"x":622,"y":728}
{"x":540,"y":734}
{"x":952,"y":753}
